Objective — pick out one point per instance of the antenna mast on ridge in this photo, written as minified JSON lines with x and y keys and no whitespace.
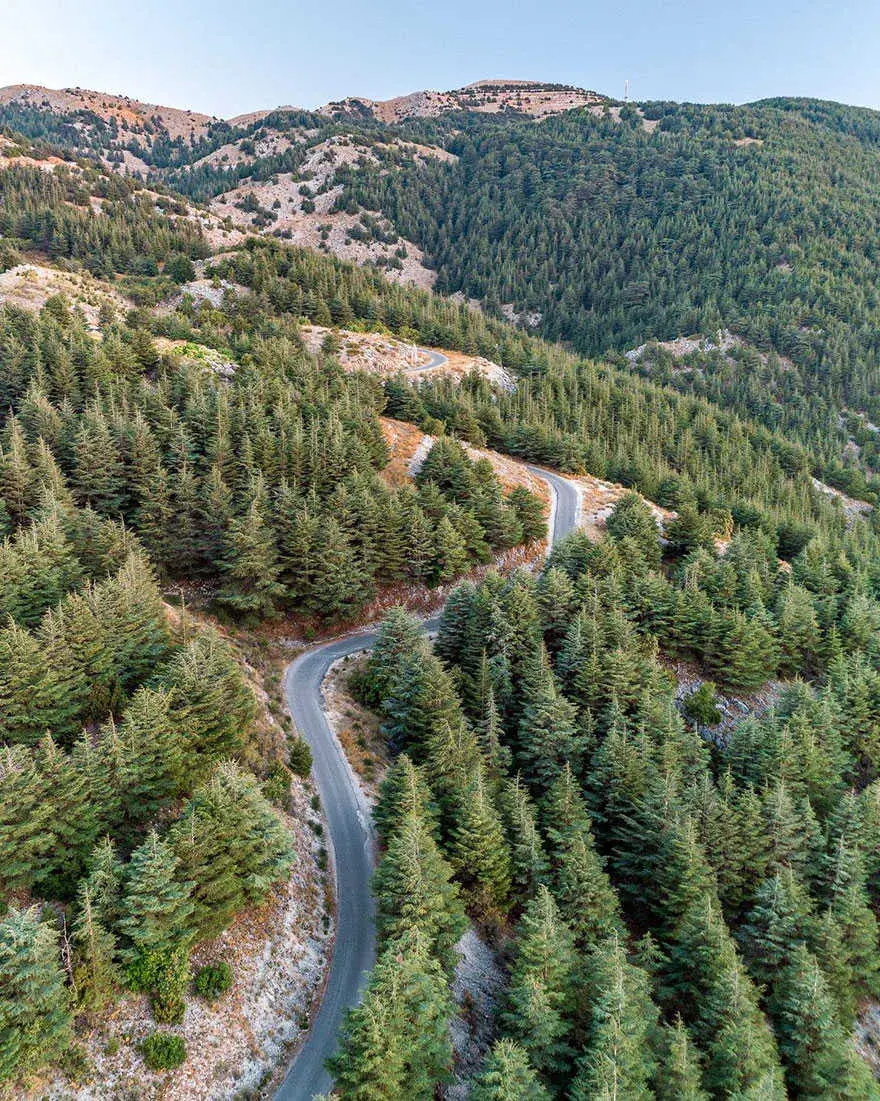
{"x":626,"y":90}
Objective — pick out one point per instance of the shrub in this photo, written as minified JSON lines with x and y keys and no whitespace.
{"x":163,"y":974}
{"x":300,"y":757}
{"x":163,"y":1051}
{"x":76,"y":1066}
{"x":276,"y":786}
{"x":212,"y":980}
{"x":701,"y":706}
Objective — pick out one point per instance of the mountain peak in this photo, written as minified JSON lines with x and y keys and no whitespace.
{"x":489,"y":96}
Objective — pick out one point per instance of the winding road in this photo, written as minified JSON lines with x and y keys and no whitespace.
{"x":435,"y":359}
{"x":352,"y":840}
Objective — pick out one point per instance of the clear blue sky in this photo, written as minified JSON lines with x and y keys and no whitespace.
{"x":231,"y":56}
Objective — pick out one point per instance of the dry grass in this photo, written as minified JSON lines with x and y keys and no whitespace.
{"x":30,"y":286}
{"x":357,"y":728}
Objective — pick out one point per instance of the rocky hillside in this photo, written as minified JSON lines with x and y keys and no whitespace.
{"x":491,"y":97}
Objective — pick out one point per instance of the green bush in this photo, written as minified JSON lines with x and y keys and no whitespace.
{"x":212,"y":980}
{"x":163,"y":1051}
{"x":163,"y":974}
{"x":276,"y":786}
{"x":300,"y":757}
{"x":76,"y":1066}
{"x":701,"y":706}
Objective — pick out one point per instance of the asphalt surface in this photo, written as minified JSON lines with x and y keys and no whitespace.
{"x":351,"y":836}
{"x":435,"y":359}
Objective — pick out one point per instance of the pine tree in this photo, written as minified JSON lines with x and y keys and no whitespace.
{"x":547,"y":738}
{"x":155,"y":909}
{"x":28,"y":837}
{"x":210,"y":701}
{"x":556,"y":599}
{"x":414,"y":890}
{"x":819,"y":1058}
{"x":617,"y":1060}
{"x":478,"y":847}
{"x":35,"y":1025}
{"x":632,"y":519}
{"x":27,"y":688}
{"x":95,"y":976}
{"x":230,"y":846}
{"x":342,"y":583}
{"x":508,"y":1076}
{"x":679,"y":1077}
{"x":395,"y":1045}
{"x":779,"y":922}
{"x":540,"y":998}
{"x":400,"y":636}
{"x":403,"y":791}
{"x":528,"y":859}
{"x":251,"y":568}
{"x":450,"y":552}
{"x":587,"y":900}
{"x":104,"y":883}
{"x":740,"y":1048}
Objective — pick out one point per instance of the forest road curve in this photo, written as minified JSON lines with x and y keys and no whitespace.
{"x":351,"y":837}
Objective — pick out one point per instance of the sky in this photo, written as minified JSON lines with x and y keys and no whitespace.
{"x":231,"y":56}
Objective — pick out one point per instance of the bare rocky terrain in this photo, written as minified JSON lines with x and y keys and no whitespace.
{"x":30,"y":286}
{"x":527,"y":97}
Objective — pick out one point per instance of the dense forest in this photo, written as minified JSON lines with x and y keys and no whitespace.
{"x":679,"y":913}
{"x":680,"y":917}
{"x":759,"y":218}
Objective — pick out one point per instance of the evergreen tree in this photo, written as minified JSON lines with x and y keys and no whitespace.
{"x":35,"y":1024}
{"x":679,"y":1076}
{"x":95,"y":976}
{"x":820,"y":1061}
{"x":540,"y":998}
{"x":528,"y":858}
{"x":414,"y":890}
{"x":478,"y":847}
{"x":616,"y":1061}
{"x":155,"y":908}
{"x":404,"y":791}
{"x":231,"y":847}
{"x":547,"y":737}
{"x":251,"y":568}
{"x":395,"y":1045}
{"x":508,"y":1076}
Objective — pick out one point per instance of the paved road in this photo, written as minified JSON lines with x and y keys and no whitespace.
{"x":351,"y":831}
{"x":435,"y":359}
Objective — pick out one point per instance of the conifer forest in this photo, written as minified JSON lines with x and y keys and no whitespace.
{"x":636,"y":763}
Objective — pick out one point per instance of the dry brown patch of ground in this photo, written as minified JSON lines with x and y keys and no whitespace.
{"x":356,"y":727}
{"x":408,"y":446}
{"x":387,"y":356}
{"x":484,"y":96}
{"x":29,"y":286}
{"x":12,"y":154}
{"x":319,"y":229}
{"x":597,"y":501}
{"x":129,"y":114}
{"x":322,"y":228}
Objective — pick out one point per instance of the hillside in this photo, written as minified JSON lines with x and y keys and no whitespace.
{"x":599,"y":224}
{"x":491,"y":97}
{"x":640,"y":783}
